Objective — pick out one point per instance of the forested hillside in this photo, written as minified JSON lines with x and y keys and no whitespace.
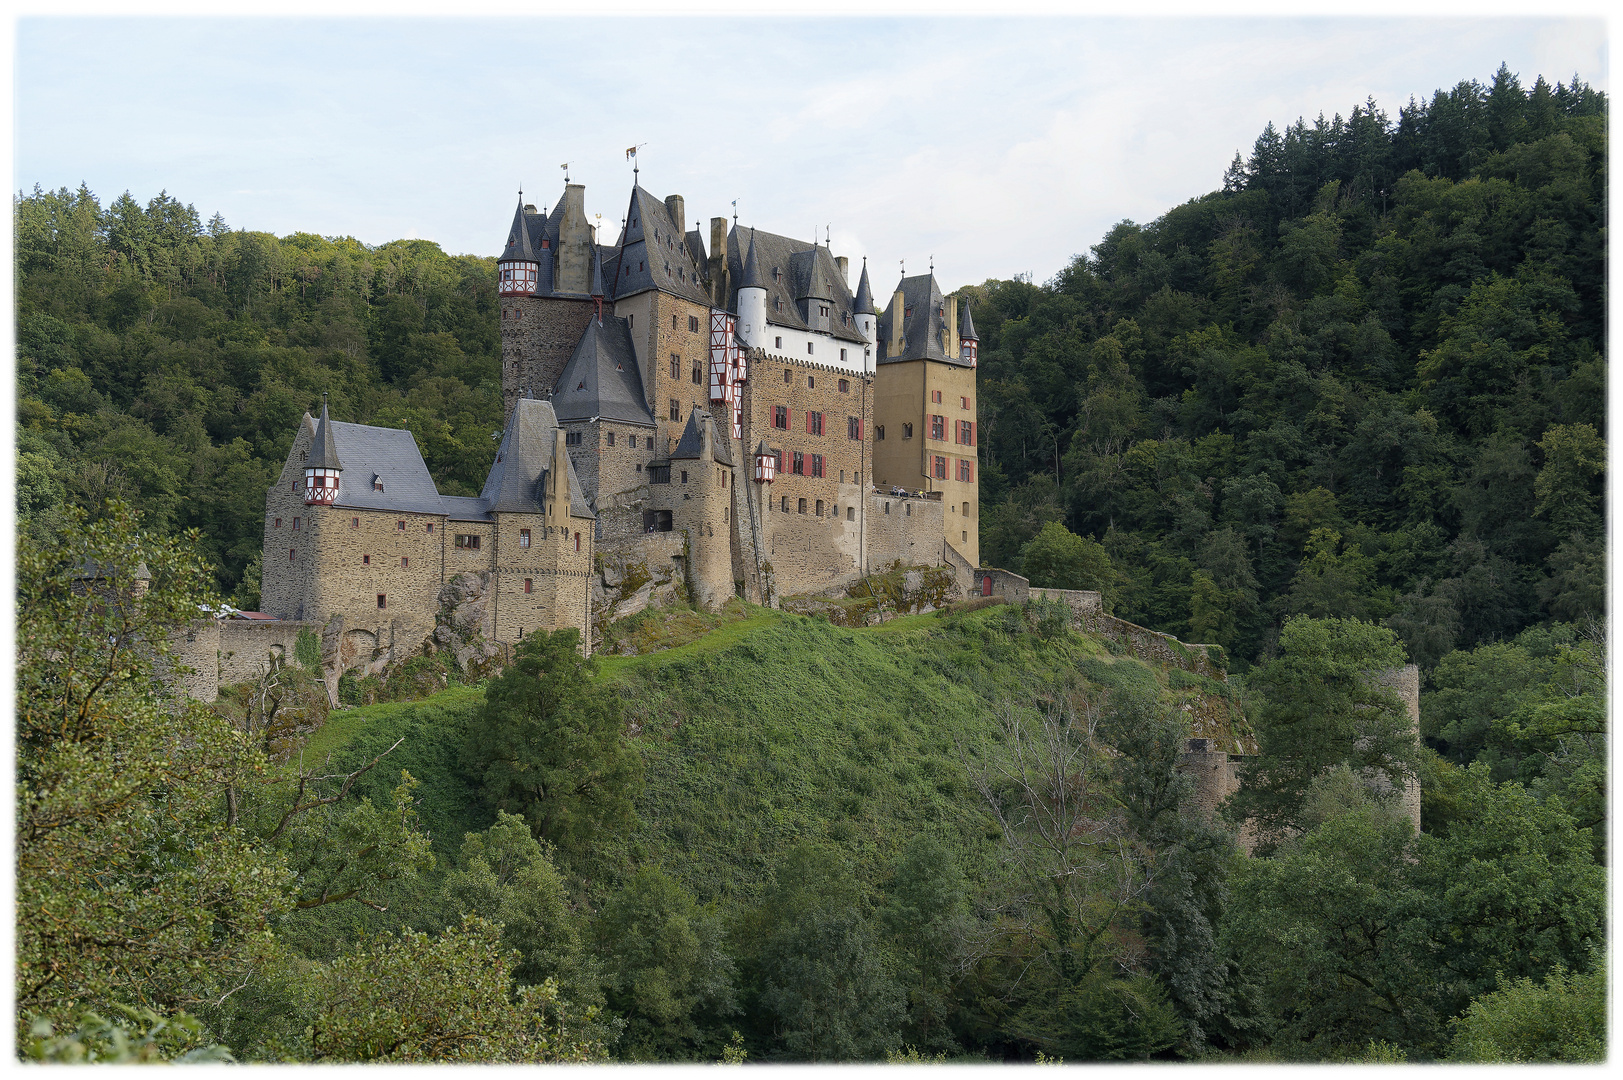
{"x":1345,"y":413}
{"x":167,"y":362}
{"x":1364,"y":379}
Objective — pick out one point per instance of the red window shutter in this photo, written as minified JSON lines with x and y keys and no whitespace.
{"x":972,"y":433}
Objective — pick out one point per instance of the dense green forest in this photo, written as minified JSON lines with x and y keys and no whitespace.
{"x":1365,"y":379}
{"x":1344,"y":413}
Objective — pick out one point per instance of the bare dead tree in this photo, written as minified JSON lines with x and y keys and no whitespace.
{"x":1079,"y":872}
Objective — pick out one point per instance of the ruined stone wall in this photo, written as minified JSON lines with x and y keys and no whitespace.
{"x":1082,"y":602}
{"x":1157,"y":647}
{"x":1405,"y":681}
{"x":903,"y":530}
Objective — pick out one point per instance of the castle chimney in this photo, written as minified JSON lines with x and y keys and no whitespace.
{"x":718,"y":262}
{"x":678,"y":212}
{"x":845,"y":269}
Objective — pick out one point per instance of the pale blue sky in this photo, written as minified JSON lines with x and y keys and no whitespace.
{"x":999,"y":146}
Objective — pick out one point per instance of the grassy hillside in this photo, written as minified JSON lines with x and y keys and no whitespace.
{"x":779,"y":728}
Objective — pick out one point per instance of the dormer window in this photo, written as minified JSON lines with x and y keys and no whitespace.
{"x":777,"y":275}
{"x":377,"y":482}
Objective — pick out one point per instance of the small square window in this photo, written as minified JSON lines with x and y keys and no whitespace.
{"x":401,"y":526}
{"x":289,"y":554}
{"x":355,"y":523}
{"x":527,"y":586}
{"x":684,"y":476}
{"x":802,"y":506}
{"x":524,"y":538}
{"x":811,"y":380}
{"x":850,"y":513}
{"x":842,"y":360}
{"x":278,"y":524}
{"x":366,"y":560}
{"x":676,"y":366}
{"x":430,"y":526}
{"x":693,"y":323}
{"x":845,"y":384}
{"x":633,"y":442}
{"x":788,"y":376}
{"x":777,"y":343}
{"x":295,"y":524}
{"x":819,"y":507}
{"x":383,"y":600}
{"x":608,"y":438}
{"x":405,"y":562}
{"x":676,"y":409}
{"x":811,"y":347}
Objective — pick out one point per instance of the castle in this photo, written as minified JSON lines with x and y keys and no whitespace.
{"x":733,"y":418}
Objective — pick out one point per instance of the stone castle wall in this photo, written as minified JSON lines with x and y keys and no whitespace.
{"x":904,"y":530}
{"x":539,"y":335}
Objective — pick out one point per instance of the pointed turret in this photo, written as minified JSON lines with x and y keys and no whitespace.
{"x":322,"y":467}
{"x":968,"y":343}
{"x":752,"y":301}
{"x":864,"y":301}
{"x":752,"y":268}
{"x":517,"y":269}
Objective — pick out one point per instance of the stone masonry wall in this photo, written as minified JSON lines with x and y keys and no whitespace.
{"x":1082,"y":602}
{"x":903,"y":530}
{"x":1012,"y":587}
{"x":539,"y":335}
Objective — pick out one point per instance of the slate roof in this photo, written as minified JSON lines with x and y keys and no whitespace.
{"x":863,"y":304}
{"x":653,"y":253}
{"x":922,"y":331}
{"x":602,"y":378}
{"x":522,"y":461}
{"x":804,"y":270}
{"x":323,"y":453}
{"x":519,"y":246}
{"x":465,"y":508}
{"x":691,"y":444}
{"x":967,"y":330}
{"x":389,"y":454}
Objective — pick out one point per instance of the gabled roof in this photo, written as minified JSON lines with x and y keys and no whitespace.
{"x":695,"y":242}
{"x":923,"y":330}
{"x":654,"y":254}
{"x":386,"y":454}
{"x":602,"y":378}
{"x":465,"y":508}
{"x":800,"y":268}
{"x":522,"y":461}
{"x":691,"y":444}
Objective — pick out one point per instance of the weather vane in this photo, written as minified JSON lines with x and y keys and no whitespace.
{"x":565,"y":168}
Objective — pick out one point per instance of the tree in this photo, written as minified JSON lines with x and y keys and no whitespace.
{"x":1318,"y":707}
{"x":1078,"y":881}
{"x":416,"y":998}
{"x":1562,"y":1018}
{"x":926,"y":913}
{"x":548,"y":745}
{"x":824,"y":981}
{"x":1332,"y":931}
{"x":130,"y":888}
{"x":1057,"y":558}
{"x":669,"y":975}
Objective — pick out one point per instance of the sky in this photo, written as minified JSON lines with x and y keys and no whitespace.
{"x":990,"y":147}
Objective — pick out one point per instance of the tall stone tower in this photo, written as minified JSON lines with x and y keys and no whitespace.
{"x":702,"y":471}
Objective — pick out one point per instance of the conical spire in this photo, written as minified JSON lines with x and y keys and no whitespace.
{"x":968,"y":330}
{"x":864,"y":300}
{"x":597,"y":273}
{"x":518,"y":239}
{"x":752,"y":270}
{"x":323,"y":453}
